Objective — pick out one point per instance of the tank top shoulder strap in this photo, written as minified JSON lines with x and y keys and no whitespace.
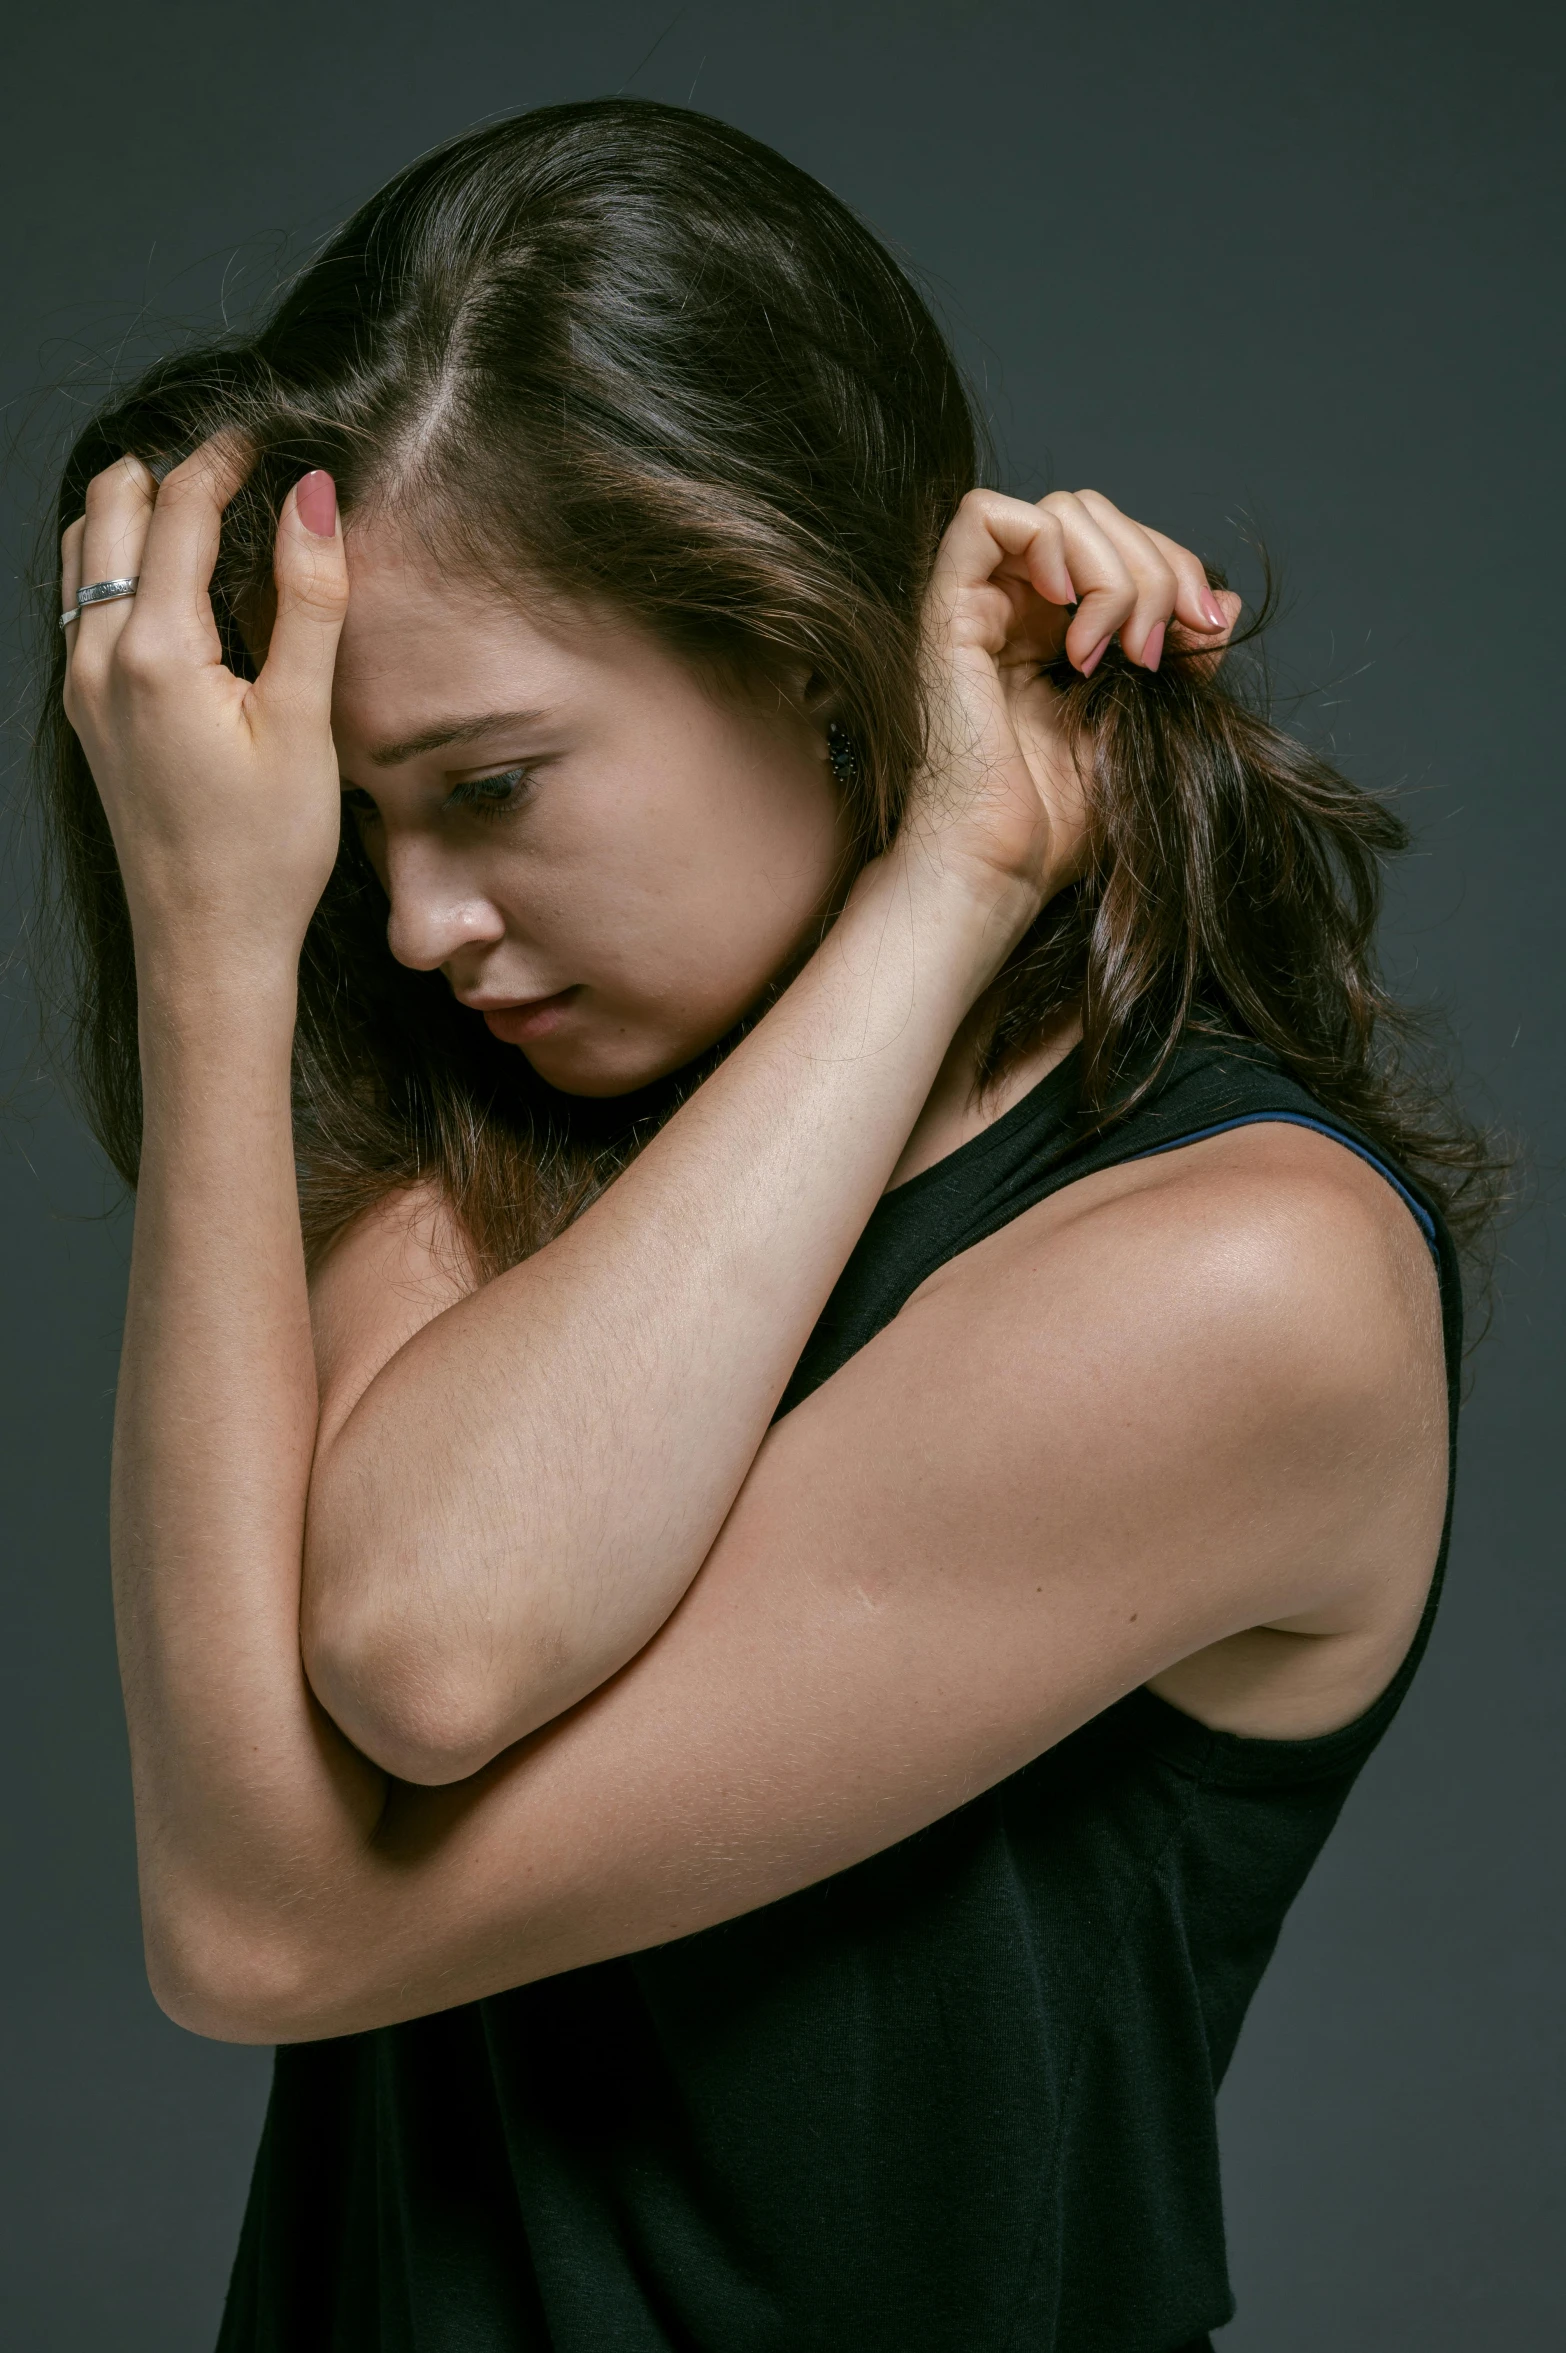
{"x":1038,"y":1147}
{"x":1042,"y":1144}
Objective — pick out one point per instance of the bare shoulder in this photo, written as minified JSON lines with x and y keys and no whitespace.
{"x":1269,"y":1284}
{"x":1272,"y":1231}
{"x":389,"y":1273}
{"x":1320,"y":1261}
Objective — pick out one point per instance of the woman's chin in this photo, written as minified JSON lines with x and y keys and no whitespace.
{"x":599,"y":1078}
{"x":596,"y":1052}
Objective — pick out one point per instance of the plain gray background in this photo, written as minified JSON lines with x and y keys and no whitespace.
{"x":1291,"y":264}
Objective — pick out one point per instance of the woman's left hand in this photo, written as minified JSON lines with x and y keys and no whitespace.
{"x":1014,"y":587}
{"x":221,"y":793}
{"x":1077,"y":573}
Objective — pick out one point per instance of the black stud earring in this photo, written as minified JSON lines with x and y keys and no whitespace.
{"x":842,"y":753}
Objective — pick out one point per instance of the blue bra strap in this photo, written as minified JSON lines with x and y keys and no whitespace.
{"x":1296,"y":1119}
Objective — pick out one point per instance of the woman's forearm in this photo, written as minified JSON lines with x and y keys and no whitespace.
{"x":524,"y":1492}
{"x":587,"y":1418}
{"x":242,"y":1785}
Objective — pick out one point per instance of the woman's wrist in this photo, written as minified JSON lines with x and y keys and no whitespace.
{"x":968,"y":921}
{"x":230,"y":1018}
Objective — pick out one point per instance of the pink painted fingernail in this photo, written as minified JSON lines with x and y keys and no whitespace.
{"x":1153,"y":650}
{"x":1214,"y":610}
{"x":1095,"y":657}
{"x":316,"y":499}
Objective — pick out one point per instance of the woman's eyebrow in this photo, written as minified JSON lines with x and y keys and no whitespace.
{"x":434,"y":739}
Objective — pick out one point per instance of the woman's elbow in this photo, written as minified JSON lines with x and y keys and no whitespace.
{"x":224,"y":1980}
{"x":404,"y":1702}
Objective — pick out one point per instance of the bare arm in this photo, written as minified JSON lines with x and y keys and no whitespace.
{"x":1163,"y":1413}
{"x":249,"y":1800}
{"x":604,"y":1400}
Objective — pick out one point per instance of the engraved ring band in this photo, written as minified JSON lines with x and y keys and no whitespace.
{"x":99,"y":592}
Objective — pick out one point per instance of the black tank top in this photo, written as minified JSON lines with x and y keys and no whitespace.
{"x":957,"y":2099}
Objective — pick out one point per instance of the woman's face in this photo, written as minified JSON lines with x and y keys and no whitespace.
{"x":607,"y":861}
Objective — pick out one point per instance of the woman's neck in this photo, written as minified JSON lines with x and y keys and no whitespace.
{"x":957,"y":1108}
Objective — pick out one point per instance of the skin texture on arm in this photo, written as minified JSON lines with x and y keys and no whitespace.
{"x":1183,"y":1424}
{"x":606,"y":1398}
{"x":272,"y":1853}
{"x":215,"y":1416}
{"x":245,"y":1786}
{"x":495,"y":1600}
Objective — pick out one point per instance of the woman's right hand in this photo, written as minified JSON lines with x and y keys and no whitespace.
{"x":221,"y":793}
{"x":1000,"y":804}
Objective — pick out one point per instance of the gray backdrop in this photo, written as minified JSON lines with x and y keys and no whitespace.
{"x":1287,"y":263}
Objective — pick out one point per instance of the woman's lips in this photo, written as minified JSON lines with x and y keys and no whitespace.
{"x":518,"y":1025}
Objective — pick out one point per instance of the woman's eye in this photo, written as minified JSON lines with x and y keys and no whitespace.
{"x":492,"y":796}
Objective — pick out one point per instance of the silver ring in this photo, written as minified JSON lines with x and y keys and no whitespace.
{"x":72,"y":615}
{"x":104,"y":592}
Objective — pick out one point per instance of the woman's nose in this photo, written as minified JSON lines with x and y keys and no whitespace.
{"x":436,"y":909}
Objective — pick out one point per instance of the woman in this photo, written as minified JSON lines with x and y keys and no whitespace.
{"x":786,"y":1416}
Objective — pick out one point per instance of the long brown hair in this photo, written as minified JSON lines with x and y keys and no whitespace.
{"x":625,"y":352}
